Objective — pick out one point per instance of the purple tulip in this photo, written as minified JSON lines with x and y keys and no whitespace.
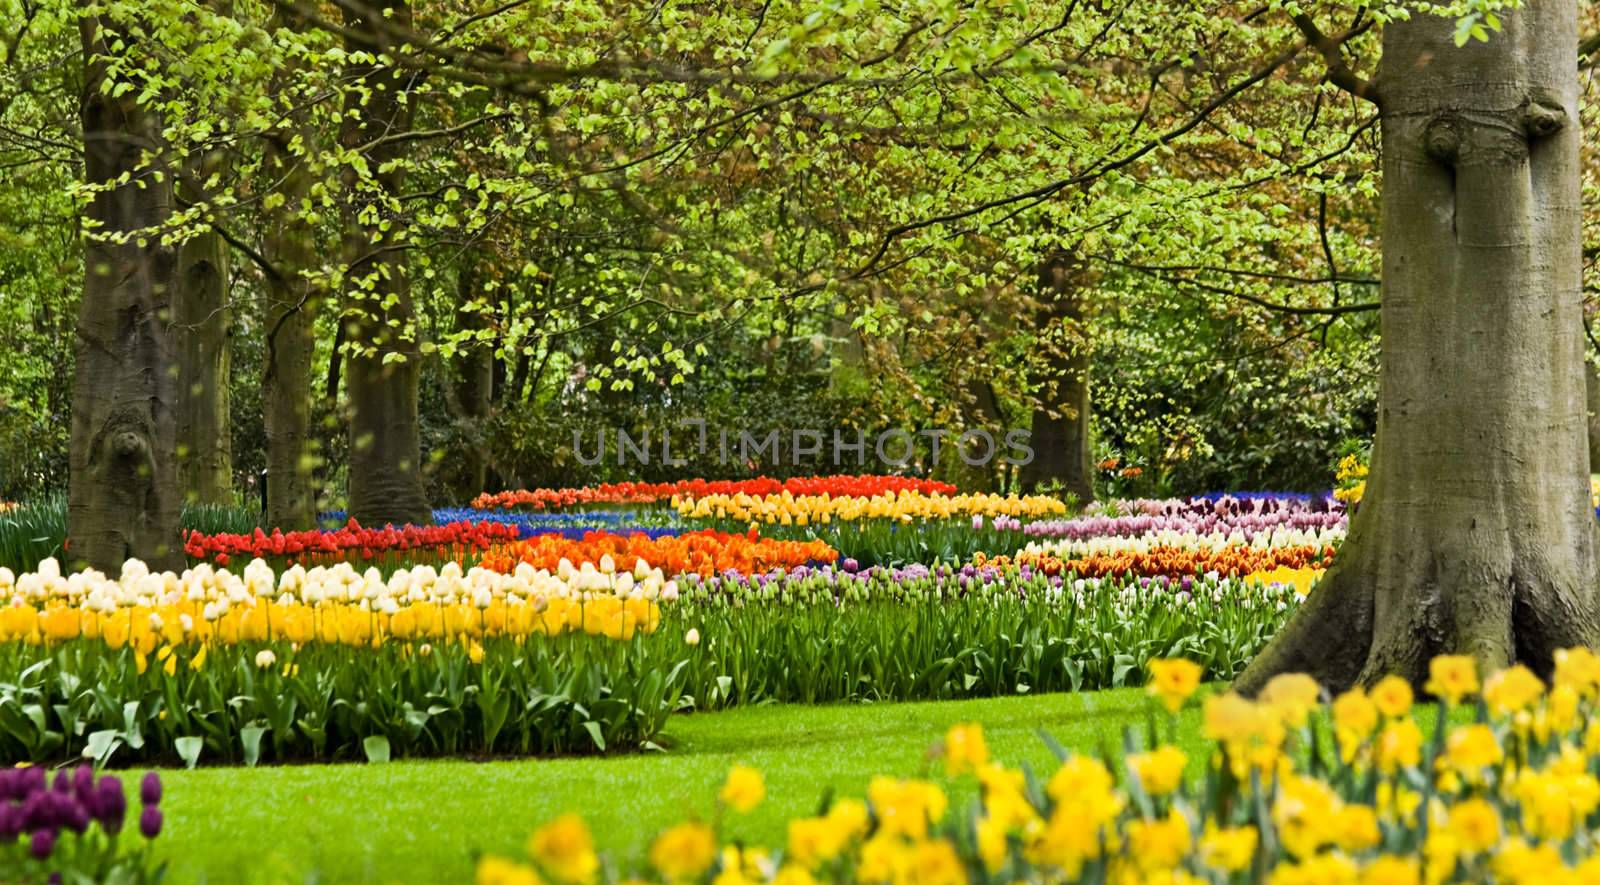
{"x":150,"y":822}
{"x":10,"y":822}
{"x":41,"y":843}
{"x":150,"y":789}
{"x":851,"y":566}
{"x":30,"y":780}
{"x":37,"y":810}
{"x":74,"y":816}
{"x":83,"y":780}
{"x":111,"y":805}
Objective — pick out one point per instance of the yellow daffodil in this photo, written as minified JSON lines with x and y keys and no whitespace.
{"x":743,"y":790}
{"x":1452,"y":677}
{"x":1173,"y":681}
{"x":964,"y":748}
{"x":564,"y":849}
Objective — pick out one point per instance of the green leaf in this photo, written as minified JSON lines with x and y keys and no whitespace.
{"x":250,"y":739}
{"x":376,"y":746}
{"x":594,"y":732}
{"x":101,"y":745}
{"x":189,"y":749}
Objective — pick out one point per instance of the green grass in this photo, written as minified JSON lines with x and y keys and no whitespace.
{"x":424,"y":821}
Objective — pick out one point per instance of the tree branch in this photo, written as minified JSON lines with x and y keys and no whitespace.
{"x":1332,"y":50}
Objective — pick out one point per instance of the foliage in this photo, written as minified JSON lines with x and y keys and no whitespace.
{"x":326,"y":702}
{"x":724,"y":213}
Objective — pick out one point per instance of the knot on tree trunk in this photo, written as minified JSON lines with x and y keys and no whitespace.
{"x":1542,"y":118}
{"x":128,"y":444}
{"x":1442,"y":139}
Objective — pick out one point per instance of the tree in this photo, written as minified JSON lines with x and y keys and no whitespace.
{"x":1060,"y":438}
{"x":384,"y":351}
{"x":291,"y":300}
{"x":203,"y":320}
{"x":123,"y":496}
{"x":1475,"y":535}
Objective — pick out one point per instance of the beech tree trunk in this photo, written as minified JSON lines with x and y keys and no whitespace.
{"x":205,"y":352}
{"x":384,"y":354}
{"x":122,"y":498}
{"x":1060,"y":428}
{"x":291,"y":304}
{"x":1475,"y":535}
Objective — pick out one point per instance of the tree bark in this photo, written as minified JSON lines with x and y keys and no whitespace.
{"x":290,"y":310}
{"x":205,"y":353}
{"x":1060,"y":427}
{"x":985,"y":412}
{"x":472,"y":393}
{"x":1475,"y":535}
{"x":384,"y":354}
{"x":122,"y":497}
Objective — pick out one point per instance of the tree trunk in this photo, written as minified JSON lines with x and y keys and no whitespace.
{"x":122,"y":499}
{"x":1475,"y":535}
{"x":205,"y":351}
{"x":472,"y":394}
{"x":1060,"y":429}
{"x":290,"y":316}
{"x":384,"y":355}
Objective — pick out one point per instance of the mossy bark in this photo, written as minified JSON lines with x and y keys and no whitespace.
{"x":122,"y":499}
{"x":1475,"y":535}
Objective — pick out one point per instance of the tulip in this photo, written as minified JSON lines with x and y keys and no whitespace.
{"x":41,"y":843}
{"x":150,"y":822}
{"x":111,"y":804}
{"x":150,"y":789}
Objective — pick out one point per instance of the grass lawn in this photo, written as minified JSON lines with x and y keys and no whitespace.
{"x":424,"y":821}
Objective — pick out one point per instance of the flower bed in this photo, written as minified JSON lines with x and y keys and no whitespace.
{"x":1172,"y":562}
{"x":646,"y":493}
{"x":572,"y":525}
{"x":453,"y":540}
{"x":1249,"y":518}
{"x":902,"y":506}
{"x":701,"y":552}
{"x":332,"y":662}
